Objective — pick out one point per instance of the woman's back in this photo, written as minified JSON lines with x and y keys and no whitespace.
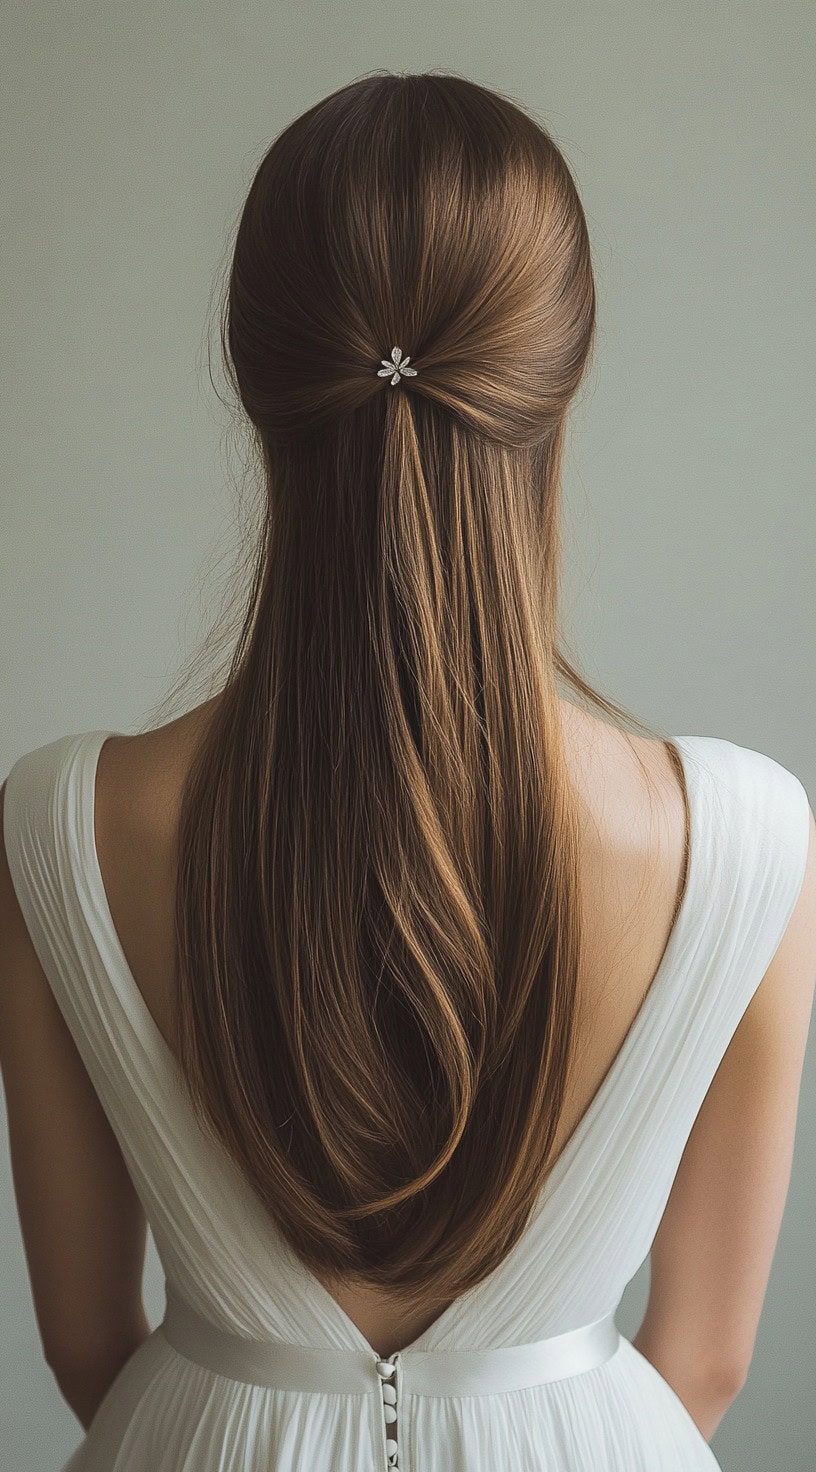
{"x":256,"y":1361}
{"x":633,"y":849}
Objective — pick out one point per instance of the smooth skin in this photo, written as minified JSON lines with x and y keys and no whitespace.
{"x":83,"y":1226}
{"x":711,"y":1257}
{"x":84,"y":1229}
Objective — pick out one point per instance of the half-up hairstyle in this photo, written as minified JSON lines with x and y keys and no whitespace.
{"x":377,"y":899}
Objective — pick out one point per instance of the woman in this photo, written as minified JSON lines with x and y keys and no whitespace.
{"x":410,"y":1002}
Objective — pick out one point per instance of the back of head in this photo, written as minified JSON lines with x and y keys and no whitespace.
{"x":422,"y":211}
{"x":377,"y":871}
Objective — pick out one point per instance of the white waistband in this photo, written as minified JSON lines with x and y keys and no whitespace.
{"x":438,"y":1372}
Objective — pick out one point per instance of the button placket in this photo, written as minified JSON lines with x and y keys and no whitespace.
{"x":389,"y":1373}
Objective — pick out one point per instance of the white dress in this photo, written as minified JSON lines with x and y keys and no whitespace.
{"x":256,"y":1368}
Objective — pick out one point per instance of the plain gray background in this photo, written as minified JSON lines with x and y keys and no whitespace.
{"x":131,"y":135}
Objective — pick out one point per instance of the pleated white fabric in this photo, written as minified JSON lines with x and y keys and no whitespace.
{"x":595,"y":1403}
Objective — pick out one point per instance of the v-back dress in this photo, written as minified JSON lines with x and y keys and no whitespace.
{"x":255,"y":1367}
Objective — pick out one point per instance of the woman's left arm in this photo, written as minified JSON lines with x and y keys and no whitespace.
{"x":83,"y":1226}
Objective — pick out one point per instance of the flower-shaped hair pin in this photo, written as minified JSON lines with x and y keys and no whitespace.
{"x":397,"y":366}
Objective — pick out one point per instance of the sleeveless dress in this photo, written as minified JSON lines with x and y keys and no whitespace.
{"x":255,"y":1367}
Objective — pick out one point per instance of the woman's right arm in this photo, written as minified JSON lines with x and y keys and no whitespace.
{"x":712,"y":1253}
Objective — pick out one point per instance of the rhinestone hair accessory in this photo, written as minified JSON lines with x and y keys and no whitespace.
{"x":396,"y":367}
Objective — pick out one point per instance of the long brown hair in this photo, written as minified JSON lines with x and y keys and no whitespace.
{"x":376,"y":909}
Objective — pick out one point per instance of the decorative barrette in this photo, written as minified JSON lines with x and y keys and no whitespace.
{"x":397,"y":366}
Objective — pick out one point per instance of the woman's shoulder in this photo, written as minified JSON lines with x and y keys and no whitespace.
{"x":140,"y":775}
{"x":622,"y":780}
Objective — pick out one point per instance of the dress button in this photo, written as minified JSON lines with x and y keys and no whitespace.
{"x":386,"y":1369}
